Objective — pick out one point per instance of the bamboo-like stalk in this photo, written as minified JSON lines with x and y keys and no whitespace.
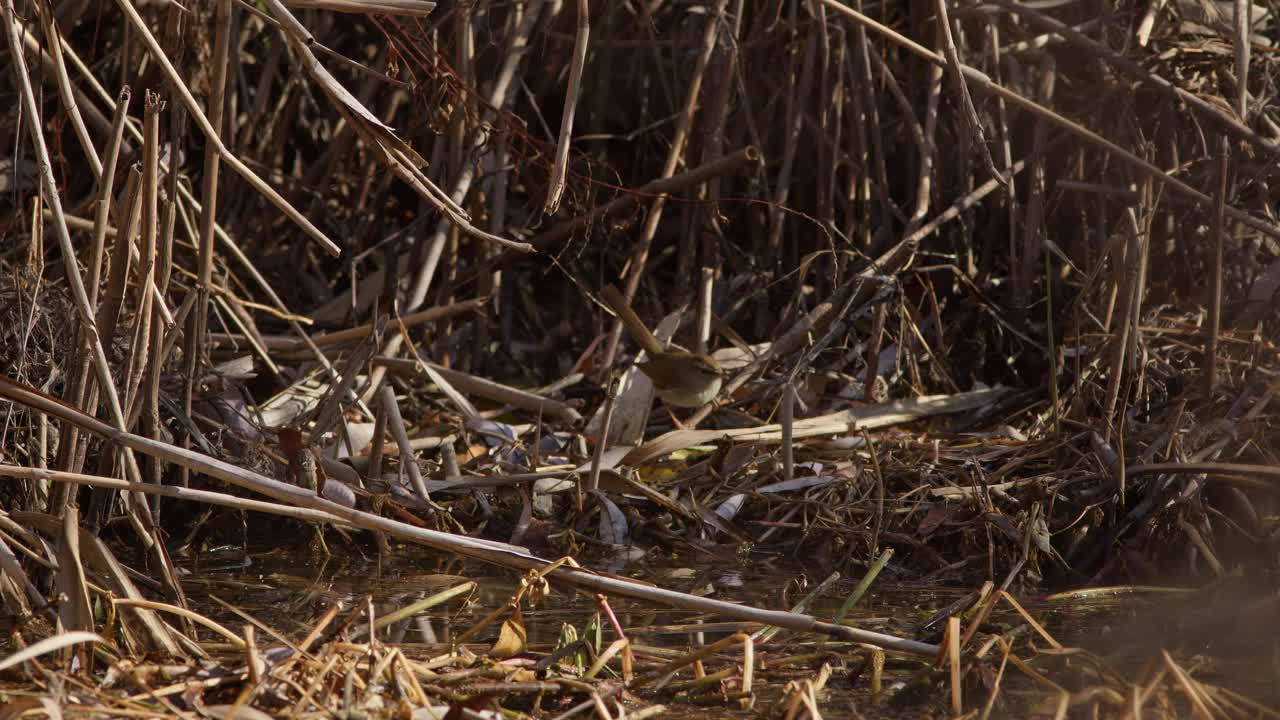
{"x":53,"y":41}
{"x":80,"y":363}
{"x":140,"y":348}
{"x":555,"y":187}
{"x":408,"y":458}
{"x":1217,"y":234}
{"x":197,"y":325}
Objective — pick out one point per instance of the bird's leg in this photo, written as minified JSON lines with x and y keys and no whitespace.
{"x":671,"y":414}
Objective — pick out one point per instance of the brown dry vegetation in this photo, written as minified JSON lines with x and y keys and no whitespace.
{"x":995,"y":299}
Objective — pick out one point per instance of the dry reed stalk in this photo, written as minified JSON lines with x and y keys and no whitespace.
{"x":140,"y":347}
{"x":498,"y":98}
{"x":674,"y":155}
{"x":408,"y":459}
{"x":593,"y":478}
{"x":66,"y":94}
{"x":1217,"y":232}
{"x":80,"y":364}
{"x":953,"y":658}
{"x":212,"y":133}
{"x":555,"y":186}
{"x":138,"y":515}
{"x":980,"y":80}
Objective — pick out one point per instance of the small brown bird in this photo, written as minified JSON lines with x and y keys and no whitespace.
{"x":681,"y":379}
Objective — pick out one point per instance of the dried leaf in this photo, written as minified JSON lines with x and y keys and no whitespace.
{"x":511,"y":638}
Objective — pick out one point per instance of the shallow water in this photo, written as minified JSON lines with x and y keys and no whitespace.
{"x":280,"y":588}
{"x":289,"y":591}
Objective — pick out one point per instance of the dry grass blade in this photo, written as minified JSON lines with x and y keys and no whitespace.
{"x":47,"y":646}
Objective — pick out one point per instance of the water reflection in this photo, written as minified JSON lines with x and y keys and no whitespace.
{"x":290,"y":590}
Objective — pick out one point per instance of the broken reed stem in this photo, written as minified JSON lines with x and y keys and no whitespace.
{"x":555,"y":186}
{"x":703,"y":317}
{"x":80,"y":363}
{"x":786,"y":416}
{"x":140,"y":349}
{"x":611,"y":397}
{"x":953,"y":654}
{"x":408,"y":459}
{"x":1217,"y":232}
{"x":864,"y":584}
